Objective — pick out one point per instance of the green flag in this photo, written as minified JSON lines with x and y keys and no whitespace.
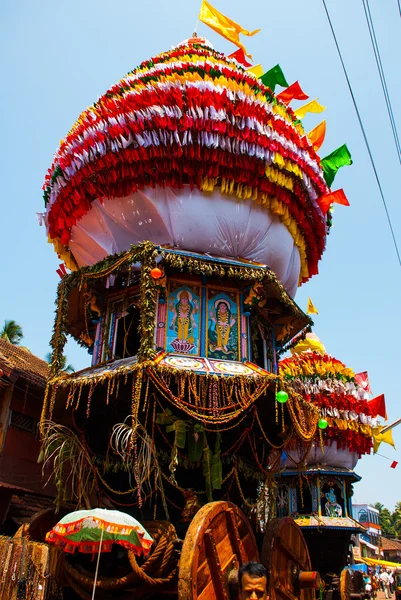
{"x":334,"y":161}
{"x":274,"y":77}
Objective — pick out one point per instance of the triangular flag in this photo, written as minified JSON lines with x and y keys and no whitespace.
{"x":63,"y":269}
{"x":386,"y":437}
{"x":257,"y":70}
{"x":221,"y":24}
{"x":334,"y":161}
{"x":393,"y":464}
{"x":337,"y":197}
{"x":239,"y":56}
{"x":362,"y":380}
{"x":273,"y":77}
{"x":317,"y":135}
{"x":377,"y":406}
{"x":293,"y":92}
{"x":311,"y":310}
{"x":313,"y":106}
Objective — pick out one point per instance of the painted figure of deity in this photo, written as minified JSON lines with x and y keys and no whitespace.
{"x":183,"y":321}
{"x":222,"y":323}
{"x":331,"y":507}
{"x":183,"y":308}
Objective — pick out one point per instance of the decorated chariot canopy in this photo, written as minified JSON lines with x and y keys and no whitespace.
{"x":189,"y":204}
{"x":193,"y":151}
{"x":348,"y":417}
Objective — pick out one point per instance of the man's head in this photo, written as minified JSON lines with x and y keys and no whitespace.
{"x":252,"y":581}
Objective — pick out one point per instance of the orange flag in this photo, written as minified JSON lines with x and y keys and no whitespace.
{"x":327,"y":200}
{"x":293,"y":92}
{"x":317,"y":135}
{"x":223,"y":25}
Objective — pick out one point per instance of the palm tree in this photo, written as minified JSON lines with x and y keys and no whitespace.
{"x":68,"y":368}
{"x":386,"y":522}
{"x":12,"y":332}
{"x":397,"y":520}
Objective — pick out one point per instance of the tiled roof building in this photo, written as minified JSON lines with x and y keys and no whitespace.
{"x":22,"y":384}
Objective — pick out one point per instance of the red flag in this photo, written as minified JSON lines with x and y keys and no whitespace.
{"x":60,"y":273}
{"x":239,"y":56}
{"x":293,"y":92}
{"x":378,"y":406}
{"x":362,"y":380}
{"x":333,"y":197}
{"x":393,"y":464}
{"x":62,"y":268}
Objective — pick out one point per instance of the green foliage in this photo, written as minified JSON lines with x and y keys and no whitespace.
{"x":12,"y":332}
{"x":390,"y":522}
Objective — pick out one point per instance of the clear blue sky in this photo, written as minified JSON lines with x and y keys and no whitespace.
{"x":58,"y":57}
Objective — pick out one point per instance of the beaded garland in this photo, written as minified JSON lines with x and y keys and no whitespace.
{"x":29,"y":570}
{"x":190,"y":116}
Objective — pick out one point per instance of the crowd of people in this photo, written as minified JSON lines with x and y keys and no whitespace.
{"x":382,"y":579}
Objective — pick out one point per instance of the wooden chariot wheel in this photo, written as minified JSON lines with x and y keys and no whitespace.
{"x":286,"y":558}
{"x":218,"y":540}
{"x":352,"y":585}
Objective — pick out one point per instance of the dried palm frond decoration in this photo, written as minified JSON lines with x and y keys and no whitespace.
{"x":66,"y":457}
{"x":137,"y":449}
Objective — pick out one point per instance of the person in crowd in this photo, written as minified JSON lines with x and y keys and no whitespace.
{"x":252,"y":581}
{"x":391,"y":576}
{"x":385,"y":580}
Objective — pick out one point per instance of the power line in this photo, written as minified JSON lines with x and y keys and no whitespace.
{"x":399,"y":6}
{"x":363,"y":132}
{"x":379,"y":64}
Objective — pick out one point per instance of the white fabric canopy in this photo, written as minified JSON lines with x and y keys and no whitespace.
{"x":188,"y":220}
{"x":332,"y":457}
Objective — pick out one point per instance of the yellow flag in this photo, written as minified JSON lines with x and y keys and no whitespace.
{"x":316,"y":136}
{"x":312,"y":106}
{"x":311,"y":310}
{"x":378,"y":438}
{"x":257,"y":70}
{"x":223,"y":25}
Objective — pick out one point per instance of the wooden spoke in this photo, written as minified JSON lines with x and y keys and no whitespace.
{"x":219,"y":539}
{"x":285,"y":555}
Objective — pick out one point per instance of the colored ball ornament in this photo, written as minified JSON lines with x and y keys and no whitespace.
{"x":322,"y":424}
{"x":156,"y":273}
{"x":281,"y":396}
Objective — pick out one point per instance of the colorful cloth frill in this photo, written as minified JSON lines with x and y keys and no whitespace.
{"x":190,"y":116}
{"x":331,"y":386}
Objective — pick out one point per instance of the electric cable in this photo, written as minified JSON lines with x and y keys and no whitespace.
{"x":363,"y":132}
{"x":379,"y":64}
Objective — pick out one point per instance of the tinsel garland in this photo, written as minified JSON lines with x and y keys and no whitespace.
{"x":190,"y":116}
{"x":145,"y":254}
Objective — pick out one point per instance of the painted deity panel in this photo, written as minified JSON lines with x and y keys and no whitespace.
{"x":332,"y":502}
{"x":223,"y":330}
{"x":183,"y":319}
